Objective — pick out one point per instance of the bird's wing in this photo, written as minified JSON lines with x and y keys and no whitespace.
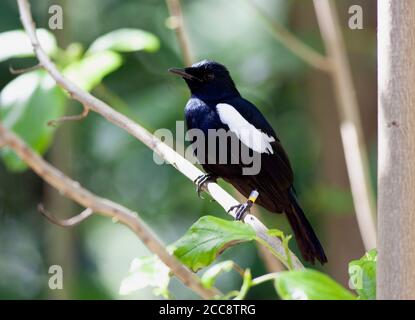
{"x":252,"y":137}
{"x":252,"y":115}
{"x":250,"y":126}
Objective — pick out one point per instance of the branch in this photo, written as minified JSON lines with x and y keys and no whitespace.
{"x":73,"y":190}
{"x":77,"y":117}
{"x":292,"y":43}
{"x":71,"y":222}
{"x":20,"y":71}
{"x":350,"y":127}
{"x":176,"y":19}
{"x":162,"y":150}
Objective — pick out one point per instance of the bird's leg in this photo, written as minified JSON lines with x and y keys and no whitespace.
{"x":243,"y":208}
{"x":201,"y":180}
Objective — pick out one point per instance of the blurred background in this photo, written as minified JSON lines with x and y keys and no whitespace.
{"x":296,"y":99}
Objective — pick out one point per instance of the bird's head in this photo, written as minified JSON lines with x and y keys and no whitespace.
{"x":208,"y":80}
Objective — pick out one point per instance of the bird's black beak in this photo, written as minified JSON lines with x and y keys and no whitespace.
{"x":182,"y":73}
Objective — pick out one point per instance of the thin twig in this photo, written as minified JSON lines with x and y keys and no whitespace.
{"x":292,"y":43}
{"x":350,"y":128}
{"x":77,"y":117}
{"x":71,"y":222}
{"x":238,"y":269}
{"x":161,"y":149}
{"x":176,"y":23}
{"x":264,"y":278}
{"x":77,"y":193}
{"x":24,"y":70}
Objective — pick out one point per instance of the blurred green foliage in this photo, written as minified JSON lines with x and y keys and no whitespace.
{"x":147,"y":272}
{"x":309,"y":285}
{"x":120,"y":50}
{"x":362,"y":274}
{"x":15,"y":44}
{"x":26,"y":105}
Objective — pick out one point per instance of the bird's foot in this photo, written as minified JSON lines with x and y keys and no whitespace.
{"x":243,"y":208}
{"x":201,"y":180}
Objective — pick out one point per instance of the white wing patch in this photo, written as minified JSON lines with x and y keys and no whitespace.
{"x":250,"y":136}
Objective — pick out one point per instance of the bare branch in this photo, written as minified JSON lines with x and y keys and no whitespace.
{"x":351,"y":128}
{"x":71,"y":222}
{"x":77,"y":117}
{"x":177,"y":24}
{"x":105,"y":207}
{"x":24,"y":70}
{"x":292,"y":43}
{"x":161,"y":149}
{"x":238,"y":269}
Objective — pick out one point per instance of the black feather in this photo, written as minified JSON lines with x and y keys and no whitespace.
{"x":307,"y":240}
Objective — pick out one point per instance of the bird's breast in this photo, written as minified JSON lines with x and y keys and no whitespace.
{"x":201,"y":115}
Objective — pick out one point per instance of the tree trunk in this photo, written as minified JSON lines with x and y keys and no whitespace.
{"x":396,"y":161}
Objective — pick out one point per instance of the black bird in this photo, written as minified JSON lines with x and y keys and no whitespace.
{"x":216,"y":104}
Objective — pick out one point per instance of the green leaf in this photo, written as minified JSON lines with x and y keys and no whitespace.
{"x":126,"y":40}
{"x":362,"y":274}
{"x":276,"y":233}
{"x":309,"y":284}
{"x":26,"y":105}
{"x":89,"y":72}
{"x":144,"y":272}
{"x":207,"y":238}
{"x":209,"y":277}
{"x":285,"y":240}
{"x":16,"y":44}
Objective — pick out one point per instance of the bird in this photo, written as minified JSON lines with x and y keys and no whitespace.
{"x":215,"y":104}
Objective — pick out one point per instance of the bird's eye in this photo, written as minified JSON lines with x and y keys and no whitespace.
{"x":209,"y":76}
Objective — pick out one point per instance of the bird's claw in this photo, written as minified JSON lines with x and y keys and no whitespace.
{"x":241,"y":210}
{"x":201,"y":180}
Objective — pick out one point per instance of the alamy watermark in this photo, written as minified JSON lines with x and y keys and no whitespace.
{"x":56,"y":18}
{"x":356,"y":277}
{"x":56,"y":277}
{"x":356,"y":17}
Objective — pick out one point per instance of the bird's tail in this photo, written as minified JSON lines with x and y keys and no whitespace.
{"x":307,"y":240}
